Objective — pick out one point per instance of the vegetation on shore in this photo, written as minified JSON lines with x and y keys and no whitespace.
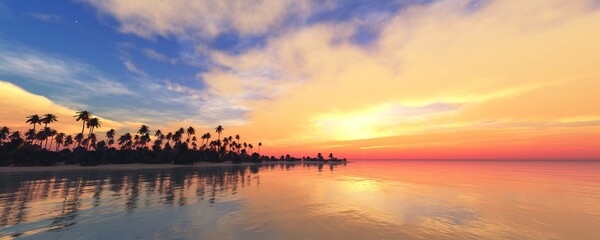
{"x":45,"y":146}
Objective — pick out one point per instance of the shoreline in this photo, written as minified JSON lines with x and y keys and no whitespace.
{"x":144,"y":166}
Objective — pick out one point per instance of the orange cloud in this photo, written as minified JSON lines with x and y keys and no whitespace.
{"x":16,"y":104}
{"x":524,"y":70}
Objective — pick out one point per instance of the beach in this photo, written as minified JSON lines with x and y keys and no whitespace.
{"x":141,"y":166}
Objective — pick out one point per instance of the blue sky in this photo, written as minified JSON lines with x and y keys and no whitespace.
{"x":87,"y":39}
{"x":405,"y":74}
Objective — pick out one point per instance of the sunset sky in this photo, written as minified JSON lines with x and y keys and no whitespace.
{"x":447,"y":79}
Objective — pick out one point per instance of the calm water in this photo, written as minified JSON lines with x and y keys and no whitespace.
{"x":360,"y":200}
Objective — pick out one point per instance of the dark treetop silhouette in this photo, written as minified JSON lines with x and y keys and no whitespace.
{"x":35,"y":148}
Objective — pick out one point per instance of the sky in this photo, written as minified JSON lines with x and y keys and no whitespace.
{"x":363,"y":79}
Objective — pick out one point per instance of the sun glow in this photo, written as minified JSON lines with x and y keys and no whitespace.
{"x":360,"y":184}
{"x":357,"y":125}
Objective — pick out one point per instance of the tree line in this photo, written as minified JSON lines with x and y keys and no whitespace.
{"x":44,"y":146}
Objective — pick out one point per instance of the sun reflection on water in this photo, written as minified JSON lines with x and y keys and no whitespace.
{"x":361,"y":200}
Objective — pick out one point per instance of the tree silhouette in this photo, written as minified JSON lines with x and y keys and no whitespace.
{"x":60,"y":139}
{"x":259,"y":145}
{"x":190,"y":131}
{"x":219,"y":129}
{"x":69,"y":141}
{"x":33,"y":120}
{"x":48,"y":118}
{"x":131,"y":148}
{"x":4,"y":133}
{"x":84,"y":117}
{"x":144,"y":135}
{"x":110,"y":136}
{"x":92,"y":124}
{"x":50,"y":135}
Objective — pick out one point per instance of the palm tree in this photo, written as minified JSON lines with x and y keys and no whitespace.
{"x":225,"y":143}
{"x":34,"y":120}
{"x":30,"y":135}
{"x":190,"y":131}
{"x":219,"y":129}
{"x":177,"y":136}
{"x":79,"y":139}
{"x":4,"y":132}
{"x":92,"y":124}
{"x":136,"y":140}
{"x":250,"y":146}
{"x":15,"y":136}
{"x":259,"y":145}
{"x":83,"y":116}
{"x":51,"y":134}
{"x":125,"y":141}
{"x":144,"y":130}
{"x":207,"y":137}
{"x":169,"y":137}
{"x":49,"y":118}
{"x":110,"y":135}
{"x":144,"y":137}
{"x":158,"y":133}
{"x":92,"y":140}
{"x":68,"y":141}
{"x":43,"y":135}
{"x":60,"y":139}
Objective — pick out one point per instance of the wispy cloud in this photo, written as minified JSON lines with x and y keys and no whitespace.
{"x":154,"y":55}
{"x":80,"y":86}
{"x":46,"y":17}
{"x":201,"y":19}
{"x":133,"y":68}
{"x":16,"y":103}
{"x":348,"y":73}
{"x":78,"y":80}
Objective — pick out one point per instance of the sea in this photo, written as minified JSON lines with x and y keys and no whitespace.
{"x":360,"y":199}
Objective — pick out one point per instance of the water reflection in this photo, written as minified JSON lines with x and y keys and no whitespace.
{"x":53,"y":200}
{"x":363,"y":200}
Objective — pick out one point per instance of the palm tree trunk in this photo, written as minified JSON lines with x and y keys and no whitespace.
{"x":82,"y":129}
{"x":51,"y":140}
{"x":33,"y":138}
{"x":89,"y":142}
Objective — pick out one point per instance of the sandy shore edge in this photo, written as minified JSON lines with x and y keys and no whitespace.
{"x":141,"y":166}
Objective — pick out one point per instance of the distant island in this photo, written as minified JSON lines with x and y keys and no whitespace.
{"x":48,"y":147}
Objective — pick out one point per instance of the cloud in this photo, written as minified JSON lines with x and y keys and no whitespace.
{"x":81,"y":86}
{"x":498,"y":63}
{"x":200,"y":19}
{"x":16,"y":104}
{"x":445,"y":67}
{"x":154,"y":55}
{"x":46,"y":17}
{"x":76,"y":80}
{"x":132,"y":68}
